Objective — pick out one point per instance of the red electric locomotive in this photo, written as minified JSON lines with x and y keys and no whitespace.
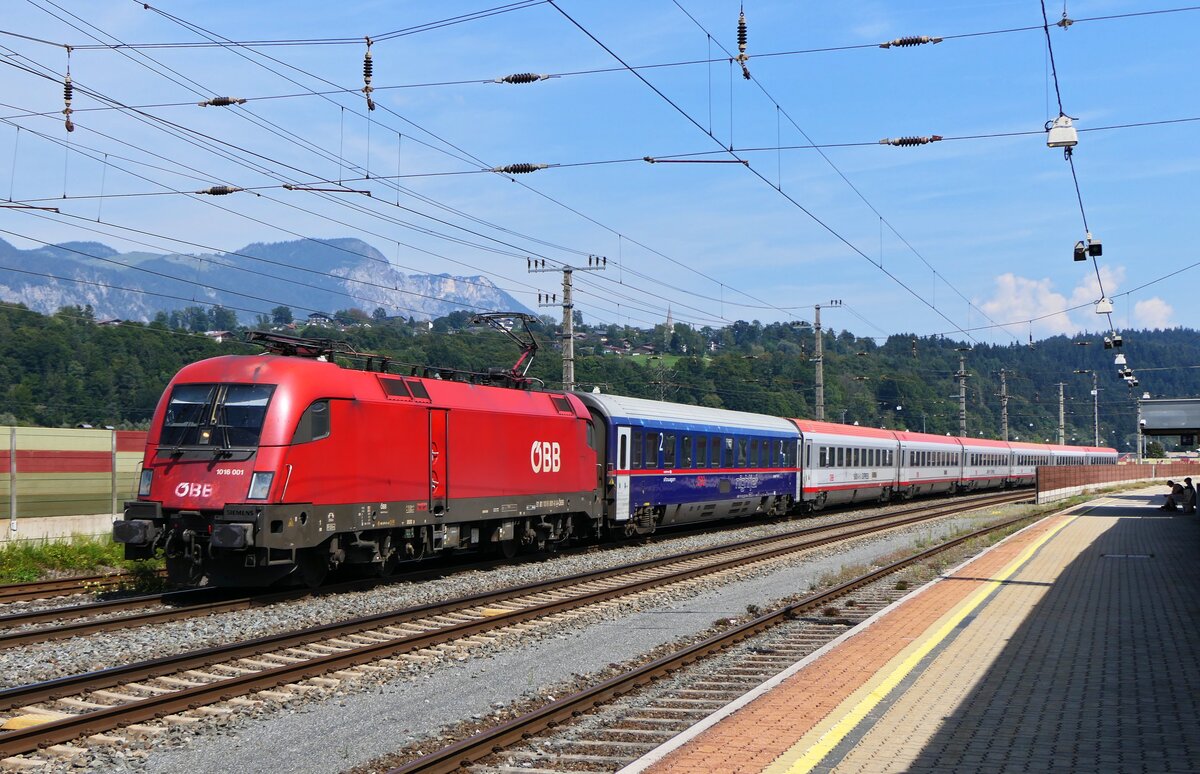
{"x":279,"y":467}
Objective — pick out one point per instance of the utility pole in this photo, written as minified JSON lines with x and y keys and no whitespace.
{"x":1062,"y":427}
{"x":1140,"y":436}
{"x":595,"y":263}
{"x":962,"y":375}
{"x":1095,"y":405}
{"x":819,"y":358}
{"x":1003,"y":404}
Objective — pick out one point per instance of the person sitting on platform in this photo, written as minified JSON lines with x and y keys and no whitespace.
{"x":1174,"y":499}
{"x":1189,"y":496}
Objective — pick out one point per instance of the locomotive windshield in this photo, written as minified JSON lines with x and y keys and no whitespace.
{"x":224,"y":416}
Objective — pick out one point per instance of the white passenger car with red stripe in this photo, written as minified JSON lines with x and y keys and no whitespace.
{"x":845,"y":463}
{"x":928,"y":463}
{"x":987,"y":464}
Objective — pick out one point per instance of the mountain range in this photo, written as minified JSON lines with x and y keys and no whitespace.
{"x":308,"y":275}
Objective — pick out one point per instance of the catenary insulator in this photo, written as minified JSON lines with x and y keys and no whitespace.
{"x":519,"y":169}
{"x":222,"y":102}
{"x":368,"y":71}
{"x":907,"y":141}
{"x":521,"y":78}
{"x":742,"y":32}
{"x":911,"y":40}
{"x":68,"y":95}
{"x":220,"y":190}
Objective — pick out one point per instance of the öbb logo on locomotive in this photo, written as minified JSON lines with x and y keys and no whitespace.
{"x":545,"y":457}
{"x":186,"y":489}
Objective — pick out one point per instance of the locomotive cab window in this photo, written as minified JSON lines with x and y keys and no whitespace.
{"x":313,"y":424}
{"x":221,"y":415}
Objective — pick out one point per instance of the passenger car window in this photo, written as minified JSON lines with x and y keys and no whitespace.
{"x":653,"y":446}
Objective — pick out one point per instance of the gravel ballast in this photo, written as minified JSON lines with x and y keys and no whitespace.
{"x":348,"y":730}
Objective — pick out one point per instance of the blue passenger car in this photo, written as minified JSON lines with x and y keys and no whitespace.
{"x":667,"y":463}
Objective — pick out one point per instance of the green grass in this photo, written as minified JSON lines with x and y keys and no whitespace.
{"x":33,"y":560}
{"x":665,"y":361}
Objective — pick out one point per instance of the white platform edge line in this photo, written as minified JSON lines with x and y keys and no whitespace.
{"x":669,"y":746}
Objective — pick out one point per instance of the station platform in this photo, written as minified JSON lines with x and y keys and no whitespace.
{"x":1073,"y":645}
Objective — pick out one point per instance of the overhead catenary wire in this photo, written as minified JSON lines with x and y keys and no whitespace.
{"x":202,"y":31}
{"x":619,"y":69}
{"x":755,"y":172}
{"x":154,"y":117}
{"x":903,"y":141}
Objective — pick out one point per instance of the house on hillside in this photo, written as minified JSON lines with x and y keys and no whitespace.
{"x":320,"y":319}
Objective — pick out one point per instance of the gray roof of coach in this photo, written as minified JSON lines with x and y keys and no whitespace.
{"x":640,"y":408}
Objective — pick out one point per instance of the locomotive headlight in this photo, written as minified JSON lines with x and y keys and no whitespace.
{"x":260,"y":485}
{"x":144,"y":483}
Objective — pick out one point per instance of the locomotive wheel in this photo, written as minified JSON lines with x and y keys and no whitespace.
{"x":507,"y":548}
{"x":313,"y":564}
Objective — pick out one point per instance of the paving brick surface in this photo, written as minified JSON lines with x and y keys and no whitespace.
{"x":1086,"y":659}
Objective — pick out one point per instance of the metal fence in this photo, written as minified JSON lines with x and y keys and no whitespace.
{"x":61,"y":472}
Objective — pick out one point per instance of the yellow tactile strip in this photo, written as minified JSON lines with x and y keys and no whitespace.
{"x":897,"y":739}
{"x":753,"y":737}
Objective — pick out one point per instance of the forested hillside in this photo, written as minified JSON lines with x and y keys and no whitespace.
{"x":66,"y":369}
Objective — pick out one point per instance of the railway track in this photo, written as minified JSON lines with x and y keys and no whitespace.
{"x":608,"y":726}
{"x":106,"y":615}
{"x":87,"y":705}
{"x":61,"y":587}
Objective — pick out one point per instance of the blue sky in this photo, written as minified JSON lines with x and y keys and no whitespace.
{"x":995,"y":217}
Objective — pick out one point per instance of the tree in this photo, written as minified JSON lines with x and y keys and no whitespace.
{"x":1156,"y":451}
{"x":282,"y":315}
{"x":222,"y":319}
{"x":379,"y":315}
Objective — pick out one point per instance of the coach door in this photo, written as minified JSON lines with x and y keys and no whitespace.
{"x":439,"y":420}
{"x":621,"y":509}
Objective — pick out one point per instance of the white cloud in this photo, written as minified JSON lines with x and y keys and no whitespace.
{"x":1089,"y":290}
{"x":1153,"y":313}
{"x":1019,"y":298}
